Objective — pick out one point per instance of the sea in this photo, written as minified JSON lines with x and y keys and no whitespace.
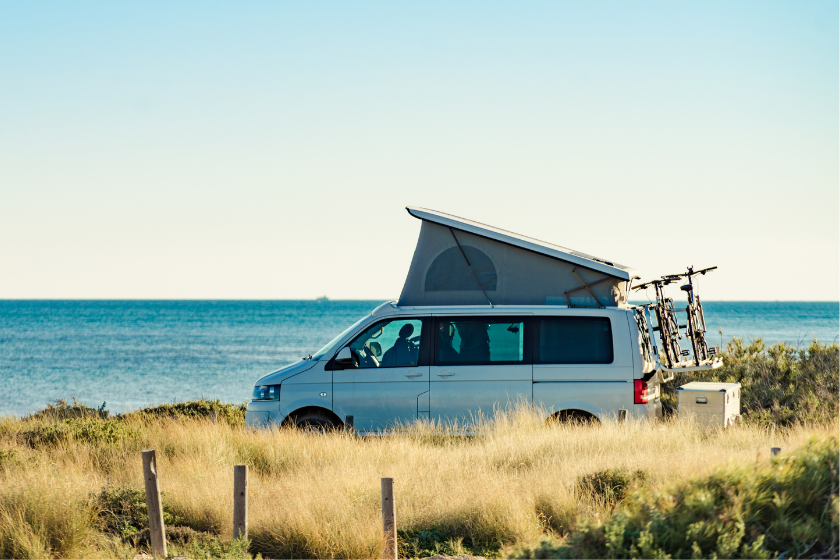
{"x":131,"y":354}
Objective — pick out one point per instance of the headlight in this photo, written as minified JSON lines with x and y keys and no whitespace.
{"x":266,"y":393}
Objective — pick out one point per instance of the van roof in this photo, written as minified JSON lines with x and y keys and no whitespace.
{"x":528,"y":243}
{"x":392,"y":307}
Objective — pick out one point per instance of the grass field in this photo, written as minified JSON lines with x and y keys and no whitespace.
{"x":71,"y":483}
{"x":318,"y":495}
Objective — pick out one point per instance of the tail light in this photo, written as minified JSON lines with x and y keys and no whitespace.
{"x":640,"y":391}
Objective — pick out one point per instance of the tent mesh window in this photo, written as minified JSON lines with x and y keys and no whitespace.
{"x":449,"y":271}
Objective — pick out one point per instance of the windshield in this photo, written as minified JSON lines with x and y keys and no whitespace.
{"x":320,"y":353}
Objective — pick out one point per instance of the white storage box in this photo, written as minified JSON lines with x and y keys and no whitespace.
{"x":711,"y":404}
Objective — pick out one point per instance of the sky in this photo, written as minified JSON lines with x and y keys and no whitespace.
{"x":267,"y":150}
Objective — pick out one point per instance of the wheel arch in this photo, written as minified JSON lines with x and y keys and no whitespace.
{"x":287,"y":421}
{"x":573,"y":415}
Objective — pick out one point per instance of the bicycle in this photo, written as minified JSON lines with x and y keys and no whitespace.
{"x":666,"y":321}
{"x":695,"y":325}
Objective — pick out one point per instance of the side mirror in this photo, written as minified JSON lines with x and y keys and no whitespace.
{"x":344,"y":358}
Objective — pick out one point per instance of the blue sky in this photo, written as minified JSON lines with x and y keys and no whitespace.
{"x":267,"y":150}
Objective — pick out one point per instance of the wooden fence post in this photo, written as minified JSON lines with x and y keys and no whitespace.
{"x":622,"y":415}
{"x":389,"y":518}
{"x":240,"y":502}
{"x":153,"y":504}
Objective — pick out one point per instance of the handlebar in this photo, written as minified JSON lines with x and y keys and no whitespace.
{"x":668,"y":278}
{"x":646,"y":284}
{"x":705,"y":270}
{"x":689,"y":274}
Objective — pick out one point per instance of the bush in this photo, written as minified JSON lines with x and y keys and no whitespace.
{"x":788,"y":508}
{"x":92,"y":430}
{"x":610,"y":486}
{"x":780,"y":385}
{"x":122,"y":512}
{"x":430,"y":542}
{"x":8,"y":457}
{"x":233,"y":414}
{"x":61,"y":410}
{"x":183,"y":541}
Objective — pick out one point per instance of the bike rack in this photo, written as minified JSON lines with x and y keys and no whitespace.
{"x":683,"y":365}
{"x":713,"y":361}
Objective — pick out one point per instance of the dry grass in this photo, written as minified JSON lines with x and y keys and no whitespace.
{"x":318,"y":495}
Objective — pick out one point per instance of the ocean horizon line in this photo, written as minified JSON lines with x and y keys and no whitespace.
{"x":325,"y":299}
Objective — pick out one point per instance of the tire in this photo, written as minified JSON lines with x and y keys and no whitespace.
{"x":576,"y":417}
{"x":314,"y":422}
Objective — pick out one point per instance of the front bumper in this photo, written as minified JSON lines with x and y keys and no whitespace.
{"x":261,"y":414}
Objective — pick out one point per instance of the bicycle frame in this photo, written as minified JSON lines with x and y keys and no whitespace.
{"x":666,"y":323}
{"x":704,"y":357}
{"x":695,"y":320}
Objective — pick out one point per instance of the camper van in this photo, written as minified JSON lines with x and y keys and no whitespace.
{"x":486,"y":319}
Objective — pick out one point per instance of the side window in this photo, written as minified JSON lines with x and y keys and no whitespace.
{"x":575,"y":340}
{"x":393,"y":343}
{"x":477,"y":341}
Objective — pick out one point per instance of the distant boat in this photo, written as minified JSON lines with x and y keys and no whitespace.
{"x":322,"y":299}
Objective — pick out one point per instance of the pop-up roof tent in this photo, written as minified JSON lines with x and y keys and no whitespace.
{"x":461,"y":262}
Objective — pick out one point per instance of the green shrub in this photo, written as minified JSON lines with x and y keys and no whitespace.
{"x":61,"y":410}
{"x":787,"y":508}
{"x":233,"y":414}
{"x":610,"y":486}
{"x":92,"y":430}
{"x":183,"y":541}
{"x":122,"y":512}
{"x":780,"y":385}
{"x":8,"y":457}
{"x":424,"y":543}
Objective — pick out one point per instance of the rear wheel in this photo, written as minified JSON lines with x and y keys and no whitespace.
{"x":573,"y":417}
{"x":312,"y":421}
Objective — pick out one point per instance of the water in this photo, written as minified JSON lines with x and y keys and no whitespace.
{"x":131,"y":354}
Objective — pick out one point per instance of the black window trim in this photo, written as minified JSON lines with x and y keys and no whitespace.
{"x":527,"y":344}
{"x":535,"y":339}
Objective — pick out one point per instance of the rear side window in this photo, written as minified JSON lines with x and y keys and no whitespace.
{"x":575,"y":340}
{"x":479,"y":341}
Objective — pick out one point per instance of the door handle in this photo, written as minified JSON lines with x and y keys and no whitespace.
{"x":445,"y":373}
{"x":413,"y":374}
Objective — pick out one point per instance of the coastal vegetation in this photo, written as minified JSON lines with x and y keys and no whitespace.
{"x":71,"y":482}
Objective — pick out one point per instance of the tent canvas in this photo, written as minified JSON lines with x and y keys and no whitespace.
{"x":461,"y":262}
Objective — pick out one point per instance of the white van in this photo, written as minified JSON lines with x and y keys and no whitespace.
{"x":402,"y":363}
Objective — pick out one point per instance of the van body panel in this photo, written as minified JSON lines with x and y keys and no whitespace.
{"x":301,"y":395}
{"x":602,"y":399}
{"x":315,"y":374}
{"x":641,"y":365}
{"x":581,"y":372}
{"x":276,"y":377}
{"x":378,"y":398}
{"x":459,"y":397}
{"x":423,"y":405}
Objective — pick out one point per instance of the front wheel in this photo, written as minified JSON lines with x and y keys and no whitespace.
{"x":314,"y":422}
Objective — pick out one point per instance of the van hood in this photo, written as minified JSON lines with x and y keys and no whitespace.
{"x":275,"y":377}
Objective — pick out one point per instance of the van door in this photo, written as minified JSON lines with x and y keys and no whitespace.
{"x":480,"y":364}
{"x":389,"y":377}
